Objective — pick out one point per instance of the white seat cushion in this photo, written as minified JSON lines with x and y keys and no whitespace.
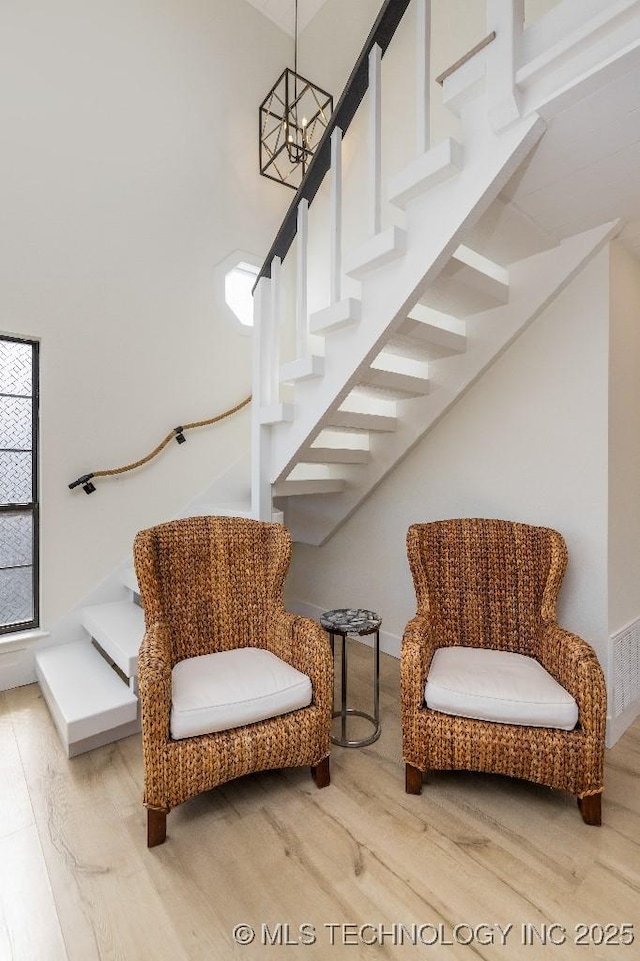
{"x":215,"y":692}
{"x":497,"y":686}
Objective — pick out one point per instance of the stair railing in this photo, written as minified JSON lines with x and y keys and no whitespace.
{"x":505,"y":20}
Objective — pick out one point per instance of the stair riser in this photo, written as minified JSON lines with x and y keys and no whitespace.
{"x":329,"y":455}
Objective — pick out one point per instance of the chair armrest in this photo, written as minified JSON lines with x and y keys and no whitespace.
{"x":154,"y":681}
{"x":574,"y":664}
{"x":418,"y":648}
{"x":302,"y":643}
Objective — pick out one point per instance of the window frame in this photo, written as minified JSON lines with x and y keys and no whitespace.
{"x":32,"y":508}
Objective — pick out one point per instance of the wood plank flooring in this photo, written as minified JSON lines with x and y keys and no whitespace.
{"x":77,"y":882}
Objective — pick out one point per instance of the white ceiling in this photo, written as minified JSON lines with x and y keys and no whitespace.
{"x":282,"y":12}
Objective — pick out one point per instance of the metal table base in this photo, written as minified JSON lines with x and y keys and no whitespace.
{"x":345,"y":711}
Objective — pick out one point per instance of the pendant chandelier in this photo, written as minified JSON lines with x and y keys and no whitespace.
{"x":293,"y":118}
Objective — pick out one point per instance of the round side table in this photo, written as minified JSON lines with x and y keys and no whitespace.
{"x":343,"y":621}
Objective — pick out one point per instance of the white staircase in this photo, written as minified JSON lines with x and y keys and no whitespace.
{"x":91,"y":685}
{"x":450,"y":274}
{"x":447,"y":274}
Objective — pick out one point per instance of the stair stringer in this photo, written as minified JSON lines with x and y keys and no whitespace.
{"x":436,"y":224}
{"x":535,"y":283}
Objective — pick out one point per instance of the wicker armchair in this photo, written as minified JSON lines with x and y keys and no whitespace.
{"x":494,"y":584}
{"x":211,"y":584}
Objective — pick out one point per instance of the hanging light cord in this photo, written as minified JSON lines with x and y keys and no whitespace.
{"x":295,"y":41}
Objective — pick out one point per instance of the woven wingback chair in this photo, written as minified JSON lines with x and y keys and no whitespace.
{"x":494,"y":584}
{"x":211,"y":584}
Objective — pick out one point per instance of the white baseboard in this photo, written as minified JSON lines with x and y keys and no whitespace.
{"x":389,"y":643}
{"x":17,"y":666}
{"x":16,"y":669}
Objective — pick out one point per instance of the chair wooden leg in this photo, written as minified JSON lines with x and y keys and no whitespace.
{"x":413,"y":779}
{"x":321,"y":773}
{"x":156,"y":827}
{"x":591,"y":809}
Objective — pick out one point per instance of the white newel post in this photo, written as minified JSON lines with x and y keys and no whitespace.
{"x":506,"y":17}
{"x":423,"y":77}
{"x":272,"y":346}
{"x":261,"y":502}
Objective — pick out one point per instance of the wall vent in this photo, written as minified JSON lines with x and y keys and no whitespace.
{"x":626,"y":668}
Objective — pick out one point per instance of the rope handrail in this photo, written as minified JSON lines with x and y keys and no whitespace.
{"x":176,"y":434}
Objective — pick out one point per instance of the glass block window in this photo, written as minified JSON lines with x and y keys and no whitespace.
{"x":18,"y":484}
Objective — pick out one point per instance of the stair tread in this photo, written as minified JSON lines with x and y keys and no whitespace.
{"x":505,"y":234}
{"x":335,"y":316}
{"x":376,"y":251}
{"x":394,"y":382}
{"x":461,"y":289}
{"x":354,"y":420}
{"x":118,"y":628}
{"x":419,"y":338}
{"x":334,"y":455}
{"x":325,"y":485}
{"x":101,"y":689}
{"x":304,"y":368}
{"x":430,"y":169}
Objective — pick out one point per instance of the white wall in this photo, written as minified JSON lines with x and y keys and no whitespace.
{"x":527,"y":442}
{"x":330,"y":44}
{"x":128,"y":169}
{"x":624,"y":440}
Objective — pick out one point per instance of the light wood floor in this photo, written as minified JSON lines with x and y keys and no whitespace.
{"x":77,"y":881}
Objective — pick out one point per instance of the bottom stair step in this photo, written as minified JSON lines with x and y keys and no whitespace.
{"x":89,"y":703}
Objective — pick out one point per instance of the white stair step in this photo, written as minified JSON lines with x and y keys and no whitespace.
{"x":277,"y":414}
{"x":89,"y":703}
{"x":463,"y":288}
{"x":344,"y":313}
{"x":428,"y":170}
{"x":506,"y":234}
{"x":296,"y":488}
{"x":421,"y":338}
{"x":129,"y":579}
{"x":354,"y":420}
{"x":379,"y":250}
{"x":305,"y":368}
{"x":394,"y":383}
{"x":118,"y":628}
{"x":334,"y":455}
